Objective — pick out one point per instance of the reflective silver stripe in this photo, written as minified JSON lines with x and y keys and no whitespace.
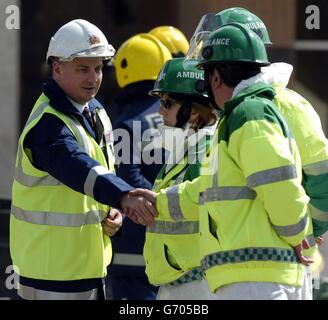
{"x":30,"y":293}
{"x":90,"y":181}
{"x":316,"y":169}
{"x":226,"y":193}
{"x":59,"y":219}
{"x":127,"y":259}
{"x":174,"y":227}
{"x":291,"y":230}
{"x":37,"y":112}
{"x":180,"y":177}
{"x":31,"y":181}
{"x":106,"y":124}
{"x":108,"y":130}
{"x":290,"y":142}
{"x":47,"y":180}
{"x":271,"y":175}
{"x":249,"y":254}
{"x":318,"y":214}
{"x":80,"y":134}
{"x":19,"y":175}
{"x":173,"y":203}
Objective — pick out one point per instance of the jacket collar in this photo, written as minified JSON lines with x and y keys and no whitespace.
{"x":276,"y":74}
{"x":59,"y":101}
{"x":258,"y":89}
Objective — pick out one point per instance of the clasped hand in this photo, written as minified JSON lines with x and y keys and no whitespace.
{"x":112,"y":223}
{"x":140,"y":206}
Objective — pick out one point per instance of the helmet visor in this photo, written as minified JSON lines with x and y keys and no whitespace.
{"x":201,"y":34}
{"x":103,"y":51}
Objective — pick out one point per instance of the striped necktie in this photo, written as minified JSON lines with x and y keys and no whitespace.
{"x":87,"y":114}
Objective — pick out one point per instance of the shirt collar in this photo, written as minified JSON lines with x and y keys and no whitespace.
{"x":78,"y":106}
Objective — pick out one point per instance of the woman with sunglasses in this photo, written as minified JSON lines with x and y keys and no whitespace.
{"x":171,"y":248}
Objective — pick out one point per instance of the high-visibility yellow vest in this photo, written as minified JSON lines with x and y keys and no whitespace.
{"x":55,"y":232}
{"x":171,"y":248}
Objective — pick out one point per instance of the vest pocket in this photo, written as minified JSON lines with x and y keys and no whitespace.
{"x":170,"y":259}
{"x":213,"y":227}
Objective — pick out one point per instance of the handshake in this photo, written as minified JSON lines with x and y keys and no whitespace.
{"x":140,"y":206}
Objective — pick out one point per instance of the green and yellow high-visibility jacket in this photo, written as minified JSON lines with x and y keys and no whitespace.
{"x":311,"y":141}
{"x":171,"y":247}
{"x":253,"y":208}
{"x":312,"y":144}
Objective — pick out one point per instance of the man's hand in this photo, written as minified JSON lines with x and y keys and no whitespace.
{"x":112,"y":223}
{"x":132,"y":215}
{"x":298,"y":250}
{"x":138,"y":208}
{"x":148,"y":194}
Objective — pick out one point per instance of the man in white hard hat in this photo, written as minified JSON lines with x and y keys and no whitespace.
{"x":65,"y":189}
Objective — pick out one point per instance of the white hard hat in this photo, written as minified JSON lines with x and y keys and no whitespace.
{"x":79,"y":38}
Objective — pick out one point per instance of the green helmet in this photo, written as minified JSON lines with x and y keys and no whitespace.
{"x":245,"y":17}
{"x":211,"y":22}
{"x":233,"y":43}
{"x":180,"y":77}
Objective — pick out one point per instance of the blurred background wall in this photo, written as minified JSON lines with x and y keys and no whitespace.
{"x":10,"y":97}
{"x":23,"y":68}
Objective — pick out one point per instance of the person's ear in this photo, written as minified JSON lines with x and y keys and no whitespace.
{"x":56,"y":69}
{"x":216,"y":79}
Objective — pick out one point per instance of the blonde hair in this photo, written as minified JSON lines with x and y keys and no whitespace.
{"x":206,"y":116}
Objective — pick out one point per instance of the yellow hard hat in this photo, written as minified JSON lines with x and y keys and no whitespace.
{"x":139,"y":58}
{"x":173,"y":39}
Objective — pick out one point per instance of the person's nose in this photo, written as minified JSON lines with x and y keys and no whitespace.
{"x":162,"y":111}
{"x":93,"y":76}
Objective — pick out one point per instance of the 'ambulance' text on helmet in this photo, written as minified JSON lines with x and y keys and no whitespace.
{"x":233,"y":43}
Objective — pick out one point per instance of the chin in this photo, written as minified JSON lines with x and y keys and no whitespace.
{"x":90,"y":97}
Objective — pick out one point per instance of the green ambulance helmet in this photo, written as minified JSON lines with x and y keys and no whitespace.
{"x":233,"y":42}
{"x":211,"y":22}
{"x":180,"y":77}
{"x":245,"y":17}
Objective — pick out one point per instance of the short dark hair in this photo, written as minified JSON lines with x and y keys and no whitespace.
{"x":233,"y":73}
{"x":50,"y":63}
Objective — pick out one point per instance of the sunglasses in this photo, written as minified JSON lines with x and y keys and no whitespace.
{"x":167,"y":103}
